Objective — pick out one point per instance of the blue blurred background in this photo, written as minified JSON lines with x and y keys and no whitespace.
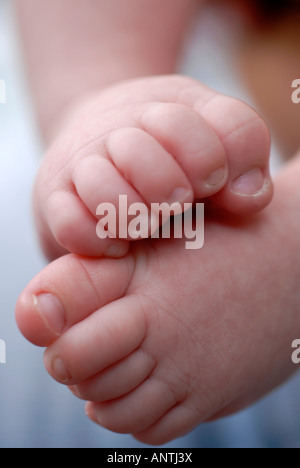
{"x":35,"y":411}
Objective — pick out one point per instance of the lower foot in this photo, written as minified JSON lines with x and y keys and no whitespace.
{"x":148,"y":340}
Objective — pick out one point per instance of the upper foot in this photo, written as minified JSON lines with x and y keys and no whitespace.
{"x":166,"y":139}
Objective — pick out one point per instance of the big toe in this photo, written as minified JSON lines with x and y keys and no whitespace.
{"x":66,"y":292}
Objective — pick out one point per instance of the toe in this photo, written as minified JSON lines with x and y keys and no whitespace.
{"x":42,"y":320}
{"x":192,"y":142}
{"x":75,"y":228}
{"x":117,"y":380}
{"x":135,"y":412}
{"x":101,"y":340}
{"x":149,"y":167}
{"x":179,"y":421}
{"x":246,"y":140}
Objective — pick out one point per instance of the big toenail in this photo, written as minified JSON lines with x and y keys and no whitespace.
{"x":51,"y":311}
{"x":59,"y":371}
{"x":251,"y":183}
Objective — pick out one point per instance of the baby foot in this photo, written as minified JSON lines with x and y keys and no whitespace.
{"x":166,"y":139}
{"x":164,"y":338}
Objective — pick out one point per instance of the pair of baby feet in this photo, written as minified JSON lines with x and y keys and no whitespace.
{"x":155,"y":337}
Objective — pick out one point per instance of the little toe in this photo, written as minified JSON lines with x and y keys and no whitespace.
{"x":177,"y":422}
{"x":136,"y":411}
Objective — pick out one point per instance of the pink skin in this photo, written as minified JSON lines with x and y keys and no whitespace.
{"x":161,"y":139}
{"x":139,"y":336}
{"x":157,"y":349}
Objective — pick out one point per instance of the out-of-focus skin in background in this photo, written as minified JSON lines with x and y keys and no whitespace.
{"x":268,"y":60}
{"x":36,"y":412}
{"x":266,"y":51}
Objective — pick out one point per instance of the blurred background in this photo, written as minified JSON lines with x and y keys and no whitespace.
{"x":36,"y":412}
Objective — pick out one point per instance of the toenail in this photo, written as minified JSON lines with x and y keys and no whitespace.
{"x":75,"y":391}
{"x":89,"y":411}
{"x":92,"y":413}
{"x":51,"y":311}
{"x":116,"y":250}
{"x":251,"y":183}
{"x":180,"y":195}
{"x":59,"y":370}
{"x":217,"y":178}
